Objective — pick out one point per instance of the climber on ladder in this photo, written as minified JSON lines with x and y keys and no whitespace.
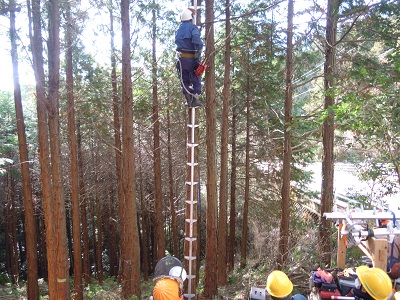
{"x":189,"y":66}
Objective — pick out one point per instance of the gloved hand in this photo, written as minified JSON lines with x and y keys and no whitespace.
{"x":197,"y":54}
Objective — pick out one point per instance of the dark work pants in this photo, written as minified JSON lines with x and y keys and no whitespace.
{"x":190,"y":83}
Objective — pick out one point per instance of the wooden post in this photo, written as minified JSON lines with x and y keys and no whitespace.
{"x":377,"y":250}
{"x":341,"y":250}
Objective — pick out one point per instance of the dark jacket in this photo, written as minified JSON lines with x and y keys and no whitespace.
{"x":187,"y":38}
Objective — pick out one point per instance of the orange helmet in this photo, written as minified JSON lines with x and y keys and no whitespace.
{"x":166,"y":289}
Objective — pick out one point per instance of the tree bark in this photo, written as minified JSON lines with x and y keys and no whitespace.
{"x":130,"y":246}
{"x":44,"y":153}
{"x":117,"y":125}
{"x":210,"y":280}
{"x":287,"y":147}
{"x":30,"y":222}
{"x":76,"y":224}
{"x":62,"y":266}
{"x":325,"y":230}
{"x":223,"y":185}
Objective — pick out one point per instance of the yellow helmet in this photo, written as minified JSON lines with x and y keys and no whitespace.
{"x":278,"y":284}
{"x":375,"y":281}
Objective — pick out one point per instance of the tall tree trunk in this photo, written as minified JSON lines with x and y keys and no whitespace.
{"x":76,"y":224}
{"x":175,"y":242}
{"x":223,"y":185}
{"x":44,"y":153}
{"x":30,"y":222}
{"x":232,"y":211}
{"x":158,"y":207}
{"x":210,"y":280}
{"x":62,"y":266}
{"x":287,"y":145}
{"x":130,"y":244}
{"x":325,"y":230}
{"x":243,"y":257}
{"x":83,"y":207}
{"x":116,"y":114}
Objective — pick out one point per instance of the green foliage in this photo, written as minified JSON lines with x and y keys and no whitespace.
{"x":16,"y":292}
{"x":4,"y":279}
{"x":109,"y":289}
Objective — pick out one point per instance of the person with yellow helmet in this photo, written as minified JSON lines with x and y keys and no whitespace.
{"x":372,"y":283}
{"x":280,"y":287}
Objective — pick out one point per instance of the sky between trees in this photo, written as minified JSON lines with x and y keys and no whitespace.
{"x":95,"y":42}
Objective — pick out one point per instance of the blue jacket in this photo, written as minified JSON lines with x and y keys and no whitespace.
{"x":187,"y":38}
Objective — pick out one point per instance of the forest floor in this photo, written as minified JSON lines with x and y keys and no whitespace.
{"x":238,"y":287}
{"x":239,"y":284}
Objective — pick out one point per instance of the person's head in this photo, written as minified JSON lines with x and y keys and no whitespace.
{"x":188,"y":14}
{"x":279,"y":285}
{"x":372,"y":283}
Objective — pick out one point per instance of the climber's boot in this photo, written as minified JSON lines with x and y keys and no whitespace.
{"x":189,"y":99}
{"x":195,"y":102}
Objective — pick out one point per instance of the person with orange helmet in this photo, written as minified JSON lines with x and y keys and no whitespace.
{"x":169,"y":276}
{"x":279,"y":287}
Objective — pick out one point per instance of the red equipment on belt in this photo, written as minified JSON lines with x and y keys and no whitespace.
{"x":200,"y":69}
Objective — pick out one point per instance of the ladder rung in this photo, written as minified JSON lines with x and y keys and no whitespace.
{"x":191,"y":125}
{"x":191,"y":239}
{"x":189,"y":296}
{"x":190,"y":257}
{"x":191,"y":277}
{"x":190,"y":220}
{"x":191,"y":183}
{"x":192,"y":145}
{"x":191,"y":202}
{"x":192,"y":164}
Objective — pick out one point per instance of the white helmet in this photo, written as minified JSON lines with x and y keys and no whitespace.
{"x":179,"y":272}
{"x":187,"y":14}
